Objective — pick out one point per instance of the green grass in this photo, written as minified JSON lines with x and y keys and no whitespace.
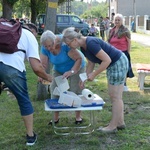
{"x":137,"y":118}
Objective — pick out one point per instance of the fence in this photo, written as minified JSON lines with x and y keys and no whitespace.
{"x":142,"y":23}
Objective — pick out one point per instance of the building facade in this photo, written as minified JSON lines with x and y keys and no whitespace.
{"x":129,"y":7}
{"x":137,"y":10}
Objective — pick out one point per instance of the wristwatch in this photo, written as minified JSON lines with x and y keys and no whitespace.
{"x":72,"y":71}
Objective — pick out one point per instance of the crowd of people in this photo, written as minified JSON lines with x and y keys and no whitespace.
{"x":104,"y":27}
{"x":69,"y":53}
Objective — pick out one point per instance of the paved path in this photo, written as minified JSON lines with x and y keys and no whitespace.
{"x":141,"y":38}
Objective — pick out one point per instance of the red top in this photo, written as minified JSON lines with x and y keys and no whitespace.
{"x":119,"y":43}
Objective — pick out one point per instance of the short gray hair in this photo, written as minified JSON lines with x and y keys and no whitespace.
{"x":47,"y":35}
{"x":70,"y":33}
{"x":120,"y":16}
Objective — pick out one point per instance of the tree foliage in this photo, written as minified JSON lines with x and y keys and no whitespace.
{"x":96,"y":11}
{"x":31,"y":8}
{"x":10,"y":2}
{"x":78,"y":8}
{"x":7,"y":7}
{"x":21,"y":7}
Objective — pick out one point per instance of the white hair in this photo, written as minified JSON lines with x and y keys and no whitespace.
{"x":120,"y":16}
{"x":70,"y":33}
{"x":47,"y":35}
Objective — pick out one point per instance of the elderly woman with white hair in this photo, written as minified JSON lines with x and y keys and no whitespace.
{"x":120,"y":37}
{"x":66,"y":61}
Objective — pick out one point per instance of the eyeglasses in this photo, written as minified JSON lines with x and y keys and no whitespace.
{"x":47,"y":46}
{"x":69,"y":42}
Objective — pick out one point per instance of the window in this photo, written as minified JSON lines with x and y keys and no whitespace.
{"x":66,"y":19}
{"x":41,"y":19}
{"x":75,"y":19}
{"x":63,"y":19}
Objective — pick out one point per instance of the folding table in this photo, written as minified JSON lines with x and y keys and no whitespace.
{"x":79,"y":129}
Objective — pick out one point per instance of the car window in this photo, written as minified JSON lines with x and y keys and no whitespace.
{"x":66,"y":19}
{"x":63,"y":19}
{"x":60,"y":19}
{"x":41,"y":19}
{"x":75,"y":19}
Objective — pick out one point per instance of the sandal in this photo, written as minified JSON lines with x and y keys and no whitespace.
{"x":121,"y":127}
{"x":79,"y":122}
{"x":50,"y":123}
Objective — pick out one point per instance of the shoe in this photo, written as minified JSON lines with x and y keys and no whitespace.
{"x":31,"y":139}
{"x":107,"y":131}
{"x":125,"y":89}
{"x":50,"y":123}
{"x":79,"y":122}
{"x":121,"y":127}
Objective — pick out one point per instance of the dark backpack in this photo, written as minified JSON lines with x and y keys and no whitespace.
{"x":10,"y":33}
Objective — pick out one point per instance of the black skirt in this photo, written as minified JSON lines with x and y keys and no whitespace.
{"x":130,"y":73}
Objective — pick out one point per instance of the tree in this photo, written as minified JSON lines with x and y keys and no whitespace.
{"x":7,"y":7}
{"x":96,"y":11}
{"x":78,"y":7}
{"x":50,"y":22}
{"x":20,"y":8}
{"x":34,"y":11}
{"x":30,"y":8}
{"x":37,"y":6}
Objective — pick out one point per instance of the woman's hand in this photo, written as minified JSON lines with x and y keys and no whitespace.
{"x":81,"y":84}
{"x":40,"y":79}
{"x":67,"y":74}
{"x":49,"y":79}
{"x":91,"y":76}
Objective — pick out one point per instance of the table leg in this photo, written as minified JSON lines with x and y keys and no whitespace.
{"x":91,"y":124}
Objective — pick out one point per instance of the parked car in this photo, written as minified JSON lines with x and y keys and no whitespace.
{"x":62,"y":21}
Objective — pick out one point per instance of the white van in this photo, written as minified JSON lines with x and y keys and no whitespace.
{"x":62,"y":21}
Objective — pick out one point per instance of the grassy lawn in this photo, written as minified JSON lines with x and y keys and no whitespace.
{"x":137,"y":117}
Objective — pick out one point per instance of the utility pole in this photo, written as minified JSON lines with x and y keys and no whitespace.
{"x":68,"y":6}
{"x":109,"y":13}
{"x":51,"y":10}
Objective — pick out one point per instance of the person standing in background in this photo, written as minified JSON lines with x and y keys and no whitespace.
{"x":120,"y":38}
{"x":107,"y":27}
{"x":102,"y":28}
{"x":132,"y":26}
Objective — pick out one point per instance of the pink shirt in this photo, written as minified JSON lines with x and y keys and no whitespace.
{"x":121,"y":43}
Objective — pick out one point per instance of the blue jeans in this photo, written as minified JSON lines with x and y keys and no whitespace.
{"x":16,"y":82}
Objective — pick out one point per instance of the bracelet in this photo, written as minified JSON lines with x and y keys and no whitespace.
{"x":72,"y":71}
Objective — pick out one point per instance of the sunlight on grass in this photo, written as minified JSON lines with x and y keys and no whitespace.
{"x":137,"y":109}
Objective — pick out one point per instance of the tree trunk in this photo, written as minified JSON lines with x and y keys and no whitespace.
{"x":43,"y":91}
{"x":7,"y":9}
{"x":33,"y":10}
{"x":50,"y":22}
